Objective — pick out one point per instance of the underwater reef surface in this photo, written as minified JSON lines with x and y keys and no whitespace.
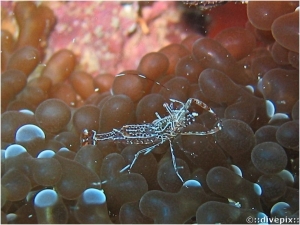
{"x":88,"y":87}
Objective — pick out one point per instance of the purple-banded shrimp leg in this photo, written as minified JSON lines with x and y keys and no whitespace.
{"x":218,"y":126}
{"x":145,"y":151}
{"x":203,"y":106}
{"x":148,"y":150}
{"x":174,"y":161}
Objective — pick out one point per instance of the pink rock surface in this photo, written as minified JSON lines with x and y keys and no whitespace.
{"x":107,"y":37}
